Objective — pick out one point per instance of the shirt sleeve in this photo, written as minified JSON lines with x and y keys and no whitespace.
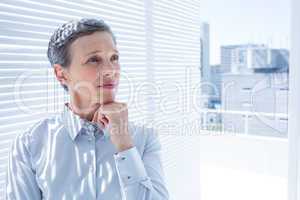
{"x":20,"y":177}
{"x":142,"y":177}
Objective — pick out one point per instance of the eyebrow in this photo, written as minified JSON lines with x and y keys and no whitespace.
{"x":100,"y":51}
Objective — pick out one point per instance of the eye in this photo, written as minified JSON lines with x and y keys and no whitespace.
{"x":93,"y":59}
{"x":115,"y":58}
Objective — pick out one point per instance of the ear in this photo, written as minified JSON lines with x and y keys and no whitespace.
{"x":61,"y":74}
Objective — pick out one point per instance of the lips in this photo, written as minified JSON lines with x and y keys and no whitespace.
{"x":110,"y":85}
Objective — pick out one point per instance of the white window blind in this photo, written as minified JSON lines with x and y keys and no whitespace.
{"x":176,"y":63}
{"x":160,"y":54}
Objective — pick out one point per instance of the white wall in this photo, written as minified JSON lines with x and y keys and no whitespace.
{"x":294,"y":106}
{"x":243,"y":167}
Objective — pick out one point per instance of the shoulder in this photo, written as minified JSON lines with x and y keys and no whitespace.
{"x":145,"y":137}
{"x":34,"y":134}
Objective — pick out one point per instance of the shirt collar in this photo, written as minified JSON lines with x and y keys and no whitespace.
{"x":74,"y":123}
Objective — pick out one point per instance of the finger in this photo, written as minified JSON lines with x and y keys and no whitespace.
{"x":104,"y":118}
{"x":98,"y":119}
{"x":101,"y":123}
{"x":101,"y":119}
{"x":95,"y":116}
{"x":101,"y":112}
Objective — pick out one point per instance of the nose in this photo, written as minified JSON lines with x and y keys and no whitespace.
{"x":108,"y":69}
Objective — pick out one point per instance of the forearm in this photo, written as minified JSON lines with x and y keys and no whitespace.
{"x":140,"y":179}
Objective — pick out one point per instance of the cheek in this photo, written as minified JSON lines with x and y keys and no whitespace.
{"x":87,"y":74}
{"x":83,"y":80}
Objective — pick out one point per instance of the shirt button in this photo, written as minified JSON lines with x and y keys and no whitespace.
{"x":92,"y":128}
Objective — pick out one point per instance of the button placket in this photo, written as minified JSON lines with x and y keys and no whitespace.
{"x":90,"y":138}
{"x":93,"y":164}
{"x":90,"y":130}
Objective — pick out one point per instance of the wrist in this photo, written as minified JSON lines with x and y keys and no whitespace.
{"x":124,"y":147}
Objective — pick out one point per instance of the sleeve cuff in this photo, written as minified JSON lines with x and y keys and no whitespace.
{"x":130,"y":167}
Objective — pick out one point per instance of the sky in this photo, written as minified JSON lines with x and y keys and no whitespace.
{"x":246,"y":21}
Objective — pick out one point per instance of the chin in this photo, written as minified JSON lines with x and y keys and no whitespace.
{"x":106,"y":98}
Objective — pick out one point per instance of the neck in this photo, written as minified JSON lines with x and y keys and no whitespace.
{"x":83,"y":112}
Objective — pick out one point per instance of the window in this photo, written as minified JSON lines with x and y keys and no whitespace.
{"x":249,"y":42}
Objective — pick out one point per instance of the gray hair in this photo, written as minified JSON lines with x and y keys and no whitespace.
{"x":64,"y":35}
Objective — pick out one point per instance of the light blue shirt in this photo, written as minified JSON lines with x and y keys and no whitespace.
{"x":64,"y":157}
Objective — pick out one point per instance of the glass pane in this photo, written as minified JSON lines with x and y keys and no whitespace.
{"x":245,"y":70}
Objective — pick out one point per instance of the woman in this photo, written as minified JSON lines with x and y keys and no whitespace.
{"x":89,"y":151}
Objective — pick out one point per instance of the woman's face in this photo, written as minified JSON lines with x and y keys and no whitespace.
{"x":94,"y":66}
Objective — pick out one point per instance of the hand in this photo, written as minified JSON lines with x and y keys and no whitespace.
{"x":115,"y":116}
